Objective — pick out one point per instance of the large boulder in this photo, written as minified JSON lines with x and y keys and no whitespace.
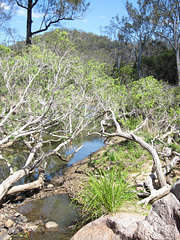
{"x":96,"y":230}
{"x":111,"y":227}
{"x":162,"y":223}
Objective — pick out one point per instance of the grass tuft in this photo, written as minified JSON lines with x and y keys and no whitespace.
{"x":105,"y":192}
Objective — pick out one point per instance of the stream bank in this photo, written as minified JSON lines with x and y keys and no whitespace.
{"x":67,"y":184}
{"x":29,"y":213}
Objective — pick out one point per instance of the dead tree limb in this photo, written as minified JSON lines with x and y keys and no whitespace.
{"x":38,"y":184}
{"x":145,"y":145}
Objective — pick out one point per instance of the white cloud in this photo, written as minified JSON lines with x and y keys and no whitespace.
{"x":36,"y":15}
{"x":85,"y":21}
{"x":4,"y":6}
{"x":23,"y":12}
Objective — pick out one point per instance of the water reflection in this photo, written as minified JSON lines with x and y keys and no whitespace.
{"x":90,"y":144}
{"x":57,"y":208}
{"x":54,"y":165}
{"x":54,"y":208}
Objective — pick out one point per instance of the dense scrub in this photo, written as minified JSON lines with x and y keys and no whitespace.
{"x":49,"y":95}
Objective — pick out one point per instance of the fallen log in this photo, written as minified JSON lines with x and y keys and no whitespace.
{"x":38,"y":184}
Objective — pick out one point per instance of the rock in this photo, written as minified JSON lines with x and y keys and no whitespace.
{"x":96,"y":230}
{"x":17,"y":214}
{"x":176,"y":190}
{"x":51,"y":226}
{"x":3,"y":231}
{"x":23,"y":219}
{"x":124,"y":224}
{"x":5,"y":237}
{"x":38,"y":222}
{"x":9,"y":223}
{"x":31,"y":227}
{"x":12,"y":230}
{"x":49,"y":186}
{"x":109,"y":227}
{"x":163,"y":221}
{"x":72,"y":227}
{"x":1,"y":217}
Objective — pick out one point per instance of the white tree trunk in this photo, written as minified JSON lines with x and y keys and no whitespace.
{"x":29,"y":186}
{"x":145,"y":145}
{"x":8,"y":182}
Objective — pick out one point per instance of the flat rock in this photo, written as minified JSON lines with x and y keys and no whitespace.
{"x":124,"y":224}
{"x":51,"y":226}
{"x":9,"y":223}
{"x":31,"y":227}
{"x":96,"y":230}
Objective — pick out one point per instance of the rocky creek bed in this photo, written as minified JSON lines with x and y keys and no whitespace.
{"x":14,"y":225}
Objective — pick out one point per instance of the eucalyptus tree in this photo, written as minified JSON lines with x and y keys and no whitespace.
{"x":43,"y":101}
{"x":136,"y":29}
{"x":50,"y":13}
{"x":166,"y":15}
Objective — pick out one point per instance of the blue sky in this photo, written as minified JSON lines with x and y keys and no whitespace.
{"x":99,"y":15}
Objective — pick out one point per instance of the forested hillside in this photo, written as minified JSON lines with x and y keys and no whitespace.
{"x":158,"y":60}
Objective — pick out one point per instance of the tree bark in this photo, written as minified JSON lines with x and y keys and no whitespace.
{"x":8,"y":182}
{"x":29,"y":186}
{"x":29,"y":23}
{"x":156,"y":195}
{"x":178,"y":67}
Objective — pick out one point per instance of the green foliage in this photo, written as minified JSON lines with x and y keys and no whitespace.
{"x":175,"y":147}
{"x":48,"y":78}
{"x":161,"y":65}
{"x":105,"y":192}
{"x":127,"y":155}
{"x":147,"y":97}
{"x":5,"y":50}
{"x":124,"y":75}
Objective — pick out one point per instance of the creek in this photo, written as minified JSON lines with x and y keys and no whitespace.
{"x":58,"y":208}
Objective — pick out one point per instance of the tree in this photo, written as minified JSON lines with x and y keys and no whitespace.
{"x":43,"y":101}
{"x":166,"y":14}
{"x":5,"y":13}
{"x":144,"y":105}
{"x":51,"y":12}
{"x":161,"y":65}
{"x":136,"y":30}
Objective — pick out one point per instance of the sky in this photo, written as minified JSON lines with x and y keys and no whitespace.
{"x":99,"y":15}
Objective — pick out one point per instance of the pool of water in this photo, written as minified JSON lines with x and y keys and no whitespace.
{"x":58,"y":208}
